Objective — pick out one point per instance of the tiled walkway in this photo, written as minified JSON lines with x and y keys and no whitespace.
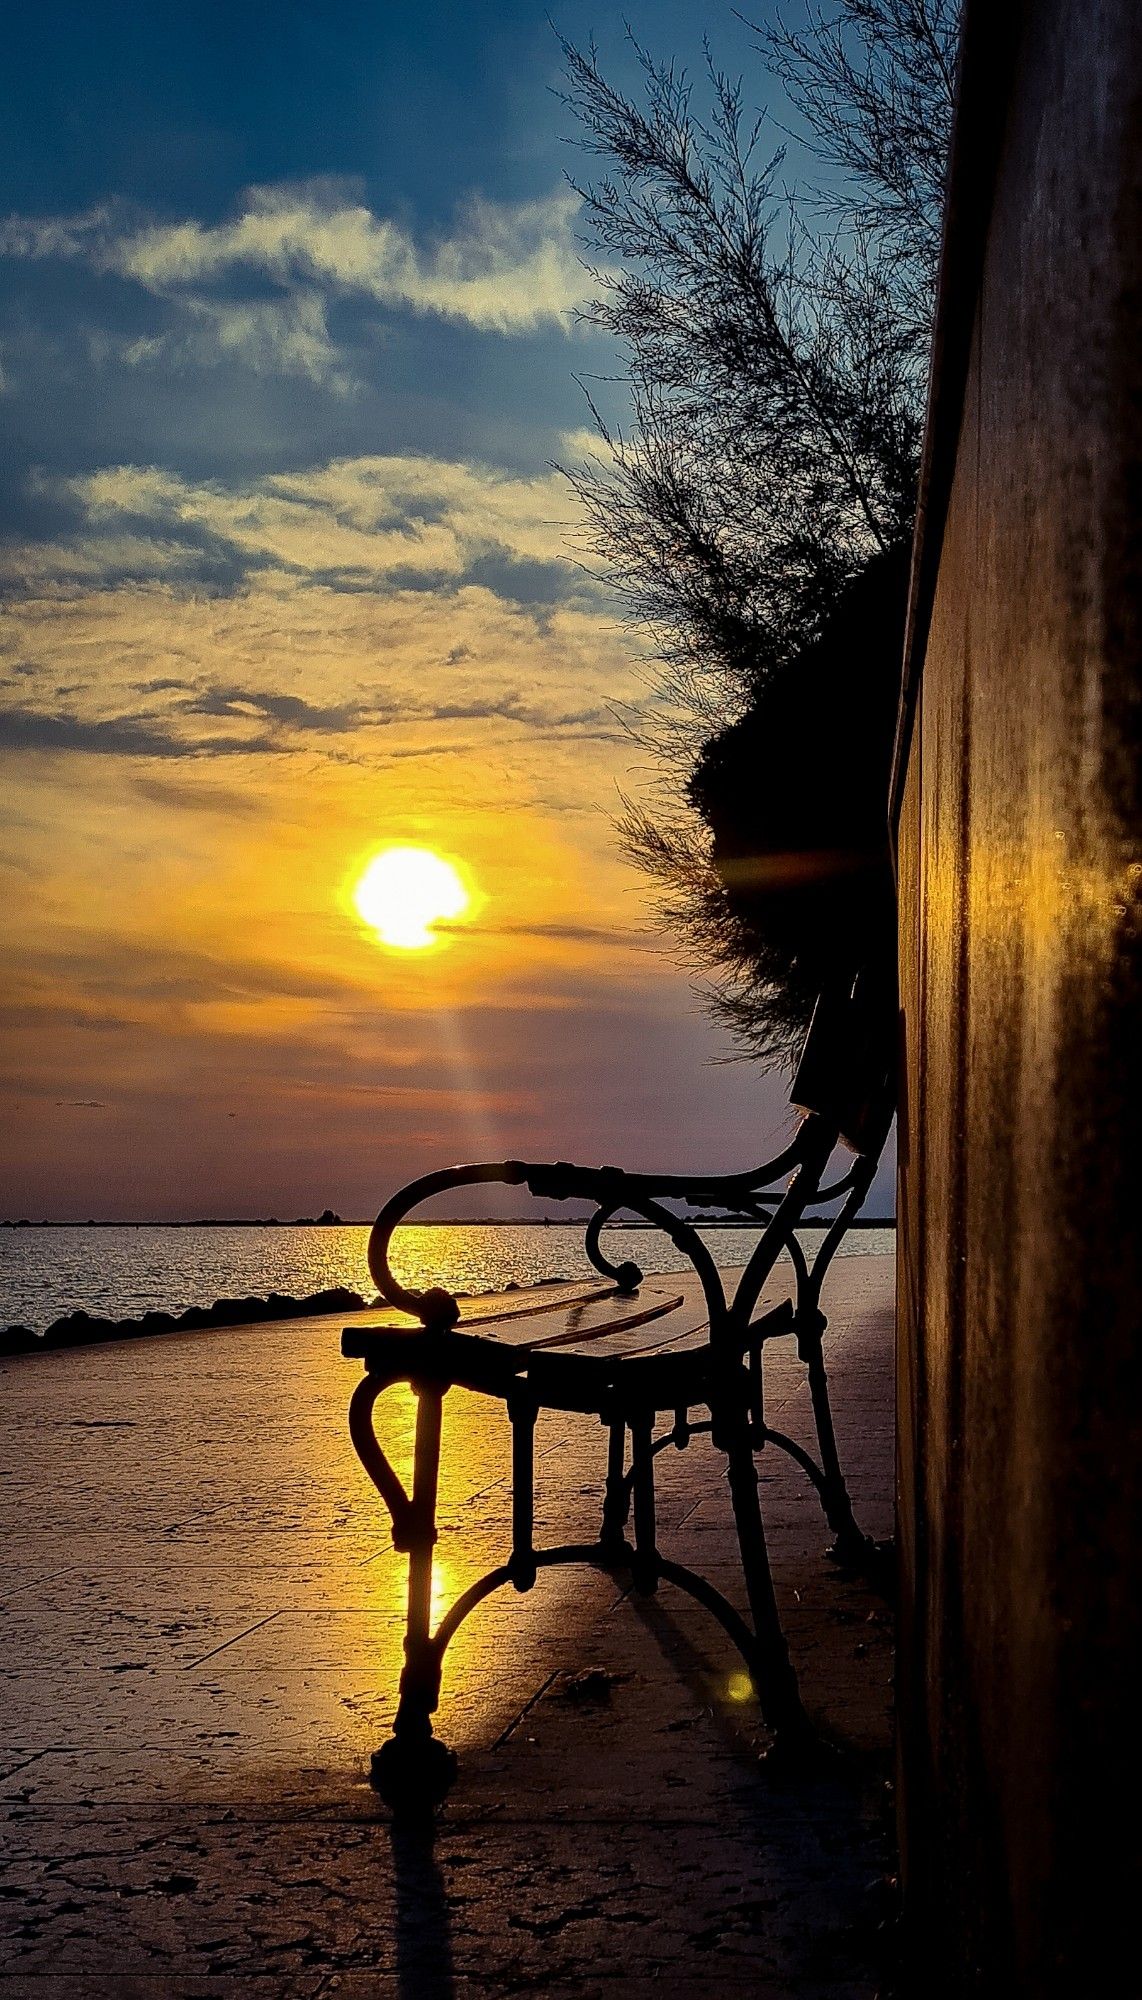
{"x":200,"y":1644}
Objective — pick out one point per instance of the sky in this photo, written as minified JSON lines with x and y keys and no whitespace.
{"x":288,"y":346}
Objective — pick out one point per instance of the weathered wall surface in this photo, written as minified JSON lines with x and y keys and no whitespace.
{"x":1021,"y":875}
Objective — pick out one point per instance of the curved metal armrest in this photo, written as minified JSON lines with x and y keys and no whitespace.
{"x":776,"y":1194}
{"x":608,"y":1187}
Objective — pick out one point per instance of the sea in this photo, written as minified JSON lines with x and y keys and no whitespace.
{"x":119,"y":1272}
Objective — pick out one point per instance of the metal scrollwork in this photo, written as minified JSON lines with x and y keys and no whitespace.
{"x":627,"y":1276}
{"x":756,"y":1195}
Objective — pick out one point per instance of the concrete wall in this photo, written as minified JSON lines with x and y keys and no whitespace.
{"x":1020,"y":844}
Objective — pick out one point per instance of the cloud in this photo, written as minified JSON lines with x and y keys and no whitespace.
{"x":397,"y":521}
{"x":161,"y":972}
{"x":592,"y":934}
{"x":291,"y":709}
{"x":372,"y":609}
{"x":348,"y":676}
{"x":585,"y":443}
{"x":288,"y":336}
{"x":32,"y":729}
{"x":264,"y":723}
{"x":503,"y":268}
{"x":225,"y":802}
{"x":53,"y":236}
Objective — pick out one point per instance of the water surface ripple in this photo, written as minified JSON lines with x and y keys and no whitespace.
{"x":122,"y":1272}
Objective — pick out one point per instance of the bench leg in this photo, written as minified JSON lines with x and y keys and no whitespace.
{"x":616,"y":1498}
{"x":645,"y":1565}
{"x":777,"y":1689}
{"x":414,"y":1770}
{"x":852,"y":1546}
{"x":522,"y":1413}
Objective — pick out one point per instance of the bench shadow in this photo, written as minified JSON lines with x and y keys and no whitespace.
{"x":825,"y":1834}
{"x":424,"y":1968}
{"x":805,"y":1857}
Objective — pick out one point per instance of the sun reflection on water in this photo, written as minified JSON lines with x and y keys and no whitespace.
{"x":125,"y":1272}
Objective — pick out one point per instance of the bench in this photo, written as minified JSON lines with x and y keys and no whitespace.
{"x":630,"y":1353}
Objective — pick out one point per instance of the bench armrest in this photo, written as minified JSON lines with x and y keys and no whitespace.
{"x":776,"y":1194}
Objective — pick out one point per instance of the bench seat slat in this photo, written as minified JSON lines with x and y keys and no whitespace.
{"x":583,"y":1317}
{"x":666,"y":1316}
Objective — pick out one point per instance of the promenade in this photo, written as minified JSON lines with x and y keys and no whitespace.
{"x":199,"y":1647}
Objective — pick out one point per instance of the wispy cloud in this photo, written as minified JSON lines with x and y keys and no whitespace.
{"x":351,"y":608}
{"x":286,"y":336}
{"x":359,"y":523}
{"x":503,"y":268}
{"x":117,"y":735}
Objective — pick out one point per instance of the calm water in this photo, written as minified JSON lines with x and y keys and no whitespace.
{"x":121,"y":1273}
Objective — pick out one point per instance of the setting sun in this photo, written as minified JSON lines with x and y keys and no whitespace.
{"x":406,"y":890}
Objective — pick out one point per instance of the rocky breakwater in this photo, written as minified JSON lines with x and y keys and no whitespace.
{"x":83,"y":1329}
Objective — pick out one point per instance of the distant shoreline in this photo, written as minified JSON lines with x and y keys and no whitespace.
{"x":438,"y":1222}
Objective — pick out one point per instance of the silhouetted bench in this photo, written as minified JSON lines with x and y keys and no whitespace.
{"x":629,"y":1354}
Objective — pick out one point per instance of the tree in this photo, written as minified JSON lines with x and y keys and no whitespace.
{"x":755,"y":516}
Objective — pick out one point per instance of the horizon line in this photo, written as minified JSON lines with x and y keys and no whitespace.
{"x":437,"y":1222}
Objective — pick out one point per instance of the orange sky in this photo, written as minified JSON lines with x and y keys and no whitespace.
{"x":198,"y":1022}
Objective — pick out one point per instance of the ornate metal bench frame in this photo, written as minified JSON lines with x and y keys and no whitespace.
{"x":725,"y":1376}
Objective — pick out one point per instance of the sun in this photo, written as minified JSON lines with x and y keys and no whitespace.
{"x":404,"y":891}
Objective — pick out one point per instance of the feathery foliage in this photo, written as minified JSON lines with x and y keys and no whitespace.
{"x":776,"y":347}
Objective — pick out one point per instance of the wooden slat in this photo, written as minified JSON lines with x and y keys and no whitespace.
{"x":588,"y":1313}
{"x":668,"y":1311}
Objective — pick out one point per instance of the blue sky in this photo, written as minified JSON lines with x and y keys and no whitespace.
{"x":169,"y":115}
{"x":288,"y":340}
